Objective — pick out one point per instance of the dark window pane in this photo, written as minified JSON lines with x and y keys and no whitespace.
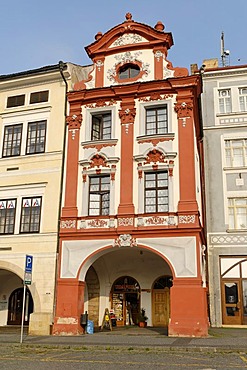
{"x":36,"y":137}
{"x":156,"y":120}
{"x":15,"y":101}
{"x":156,"y":192}
{"x":101,"y":126}
{"x":30,"y":215}
{"x":99,"y":195}
{"x":12,"y":140}
{"x":7,"y":216}
{"x":39,"y":97}
{"x":128,"y":71}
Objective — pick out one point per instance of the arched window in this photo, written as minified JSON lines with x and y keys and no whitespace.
{"x":128,"y":71}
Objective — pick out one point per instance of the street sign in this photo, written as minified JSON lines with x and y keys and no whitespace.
{"x":28,"y":270}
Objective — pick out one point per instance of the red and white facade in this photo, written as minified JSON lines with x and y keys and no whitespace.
{"x":131,"y":232}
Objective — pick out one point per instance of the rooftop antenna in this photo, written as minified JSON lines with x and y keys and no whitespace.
{"x":224,"y":53}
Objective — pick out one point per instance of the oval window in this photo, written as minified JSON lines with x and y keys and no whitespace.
{"x":128,"y":71}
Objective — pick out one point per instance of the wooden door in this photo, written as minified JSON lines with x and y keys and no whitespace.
{"x":161,"y":307}
{"x":231,"y":302}
{"x":15,"y":307}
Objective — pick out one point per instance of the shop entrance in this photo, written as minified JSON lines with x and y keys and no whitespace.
{"x":161,"y":301}
{"x":125,"y":300}
{"x":15,"y":307}
{"x":234,"y":294}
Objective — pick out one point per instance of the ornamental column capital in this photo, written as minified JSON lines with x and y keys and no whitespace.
{"x":74,"y":121}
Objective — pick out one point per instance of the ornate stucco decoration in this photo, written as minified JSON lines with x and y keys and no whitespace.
{"x":155,"y":159}
{"x":99,"y":64}
{"x":129,"y":38}
{"x":125,"y":58}
{"x":187,"y":219}
{"x":156,"y":96}
{"x":125,"y":240}
{"x":155,"y":156}
{"x":183,"y":111}
{"x":97,"y":223}
{"x":99,"y":145}
{"x":98,"y":164}
{"x":74,"y":121}
{"x":127,"y":117}
{"x":125,"y":221}
{"x":101,"y":103}
{"x":98,"y":161}
{"x":158,"y":55}
{"x":228,"y":239}
{"x":68,"y":224}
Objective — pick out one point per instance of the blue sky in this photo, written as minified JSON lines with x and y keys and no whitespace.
{"x":38,"y":33}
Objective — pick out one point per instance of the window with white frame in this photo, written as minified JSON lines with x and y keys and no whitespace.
{"x":237,"y":213}
{"x":156,"y":192}
{"x":30,"y":215}
{"x":39,"y":97}
{"x":12,"y":140}
{"x":7,"y":216}
{"x":15,"y":101}
{"x":236,"y":152}
{"x":101,"y":126}
{"x":99,"y":195}
{"x":156,"y":120}
{"x":225,"y":104}
{"x":243,"y":99}
{"x":36,"y":133}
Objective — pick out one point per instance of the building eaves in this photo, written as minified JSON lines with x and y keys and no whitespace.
{"x":31,"y":72}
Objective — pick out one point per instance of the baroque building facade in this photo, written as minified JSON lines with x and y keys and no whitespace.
{"x":131,"y":231}
{"x":32,"y":127}
{"x":224,"y":102}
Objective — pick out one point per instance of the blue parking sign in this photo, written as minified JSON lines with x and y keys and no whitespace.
{"x":29,"y":264}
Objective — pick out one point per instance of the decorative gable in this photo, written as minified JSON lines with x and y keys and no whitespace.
{"x":130,"y":52}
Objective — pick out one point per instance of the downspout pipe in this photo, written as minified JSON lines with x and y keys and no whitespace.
{"x":62,"y":66}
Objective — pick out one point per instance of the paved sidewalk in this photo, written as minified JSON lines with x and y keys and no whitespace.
{"x":219,"y":340}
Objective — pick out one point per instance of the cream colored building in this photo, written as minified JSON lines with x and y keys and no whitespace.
{"x":32,"y":126}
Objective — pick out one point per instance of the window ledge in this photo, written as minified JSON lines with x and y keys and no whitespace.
{"x":155,"y":138}
{"x":236,"y":169}
{"x":234,"y":231}
{"x":231,"y":114}
{"x":99,"y":144}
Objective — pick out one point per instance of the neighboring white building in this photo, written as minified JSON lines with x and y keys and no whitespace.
{"x":224,"y":101}
{"x":32,"y":127}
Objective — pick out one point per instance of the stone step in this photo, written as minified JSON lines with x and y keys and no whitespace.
{"x":13,"y":329}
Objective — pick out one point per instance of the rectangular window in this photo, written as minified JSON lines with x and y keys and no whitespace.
{"x":156,"y":192}
{"x":237,"y":211}
{"x":99,"y":195}
{"x":236,"y":152}
{"x":101,"y":126}
{"x":36,"y":137}
{"x":156,"y":120}
{"x":12,"y":140}
{"x":7,"y":216}
{"x":15,"y":101}
{"x":225,"y":104}
{"x":30,"y":215}
{"x":243,"y":99}
{"x":39,"y":97}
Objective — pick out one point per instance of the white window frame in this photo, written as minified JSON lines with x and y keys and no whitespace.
{"x":233,"y":206}
{"x":89,"y":112}
{"x":242,"y":99}
{"x":224,"y":100}
{"x":154,"y":104}
{"x":19,"y":192}
{"x":231,"y":149}
{"x":25,"y":118}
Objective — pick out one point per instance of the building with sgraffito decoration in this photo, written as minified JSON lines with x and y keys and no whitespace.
{"x":131,"y":232}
